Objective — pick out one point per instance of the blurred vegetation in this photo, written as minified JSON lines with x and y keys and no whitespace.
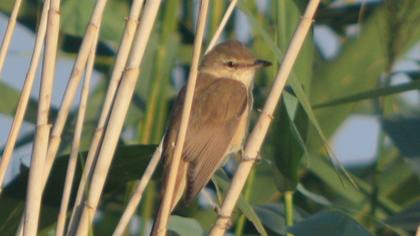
{"x":323,"y":91}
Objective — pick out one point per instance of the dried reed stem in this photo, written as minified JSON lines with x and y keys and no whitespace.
{"x":123,"y":51}
{"x":222,"y":25}
{"x":116,"y":120}
{"x":9,"y":33}
{"x":90,"y":40}
{"x":71,"y":166}
{"x":39,"y":151}
{"x":24,"y":95}
{"x":176,"y":158}
{"x":260,"y":130}
{"x":138,"y":193}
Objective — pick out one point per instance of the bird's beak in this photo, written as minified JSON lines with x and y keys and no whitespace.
{"x":262,"y":63}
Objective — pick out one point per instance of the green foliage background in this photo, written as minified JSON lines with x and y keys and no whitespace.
{"x":322,"y":93}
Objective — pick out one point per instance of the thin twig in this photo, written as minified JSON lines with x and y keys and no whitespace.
{"x":71,"y":166}
{"x":257,"y":136}
{"x":24,"y":95}
{"x":176,"y":158}
{"x":138,"y":193}
{"x":222,"y":25}
{"x":9,"y":33}
{"x":123,"y":51}
{"x":39,"y":152}
{"x":116,"y":120}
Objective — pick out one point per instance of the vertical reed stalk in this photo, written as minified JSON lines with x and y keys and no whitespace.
{"x":116,"y":120}
{"x":247,"y":195}
{"x":89,"y":41}
{"x":71,"y":166}
{"x":24,"y":95}
{"x":173,"y":169}
{"x":258,"y":133}
{"x":222,"y":25}
{"x":9,"y":33}
{"x":138,"y":193}
{"x":123,"y":51}
{"x":39,"y":151}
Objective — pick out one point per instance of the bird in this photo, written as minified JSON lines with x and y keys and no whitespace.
{"x":219,"y":118}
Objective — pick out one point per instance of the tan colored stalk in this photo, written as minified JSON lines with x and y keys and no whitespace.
{"x":116,"y":120}
{"x":89,"y":41}
{"x":173,"y":170}
{"x":123,"y":51}
{"x":40,"y":146}
{"x":71,"y":167}
{"x":260,"y":130}
{"x":222,"y":25}
{"x":24,"y":95}
{"x":9,"y":34}
{"x":138,"y":193}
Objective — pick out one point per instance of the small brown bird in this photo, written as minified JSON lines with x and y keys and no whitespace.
{"x":218,"y":121}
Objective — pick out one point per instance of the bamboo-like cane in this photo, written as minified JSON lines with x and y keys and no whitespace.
{"x":24,"y":95}
{"x":123,"y":51}
{"x":39,"y":151}
{"x":71,"y":166}
{"x":176,"y":158}
{"x":9,"y":34}
{"x":116,"y":120}
{"x":90,"y":40}
{"x":138,"y":193}
{"x":260,"y":130}
{"x":222,"y":25}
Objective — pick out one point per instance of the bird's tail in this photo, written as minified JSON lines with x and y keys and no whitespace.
{"x":180,"y":185}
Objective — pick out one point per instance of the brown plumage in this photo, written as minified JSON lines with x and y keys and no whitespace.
{"x":218,"y":121}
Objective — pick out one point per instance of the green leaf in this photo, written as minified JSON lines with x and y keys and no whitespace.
{"x":184,"y":226}
{"x":361,"y":62}
{"x":76,"y":14}
{"x":12,"y":95}
{"x":128,"y":165}
{"x":272,"y":216}
{"x":331,"y":223}
{"x":370,"y":94}
{"x":404,"y":133}
{"x":313,"y":196}
{"x":289,"y":146}
{"x":407,"y":219}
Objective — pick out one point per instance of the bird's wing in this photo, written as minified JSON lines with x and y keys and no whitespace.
{"x":218,"y":106}
{"x":216,"y":111}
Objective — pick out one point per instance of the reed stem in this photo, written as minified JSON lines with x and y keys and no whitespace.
{"x":11,"y":24}
{"x":39,"y":151}
{"x":71,"y":166}
{"x":176,"y":158}
{"x":24,"y":95}
{"x":258,"y":133}
{"x":116,"y":120}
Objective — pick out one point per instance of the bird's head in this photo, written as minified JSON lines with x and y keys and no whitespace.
{"x":233,"y":60}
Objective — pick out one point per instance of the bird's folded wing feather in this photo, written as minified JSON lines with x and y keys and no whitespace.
{"x":217,"y":108}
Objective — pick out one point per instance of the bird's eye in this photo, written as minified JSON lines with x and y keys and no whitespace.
{"x":230,"y":64}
